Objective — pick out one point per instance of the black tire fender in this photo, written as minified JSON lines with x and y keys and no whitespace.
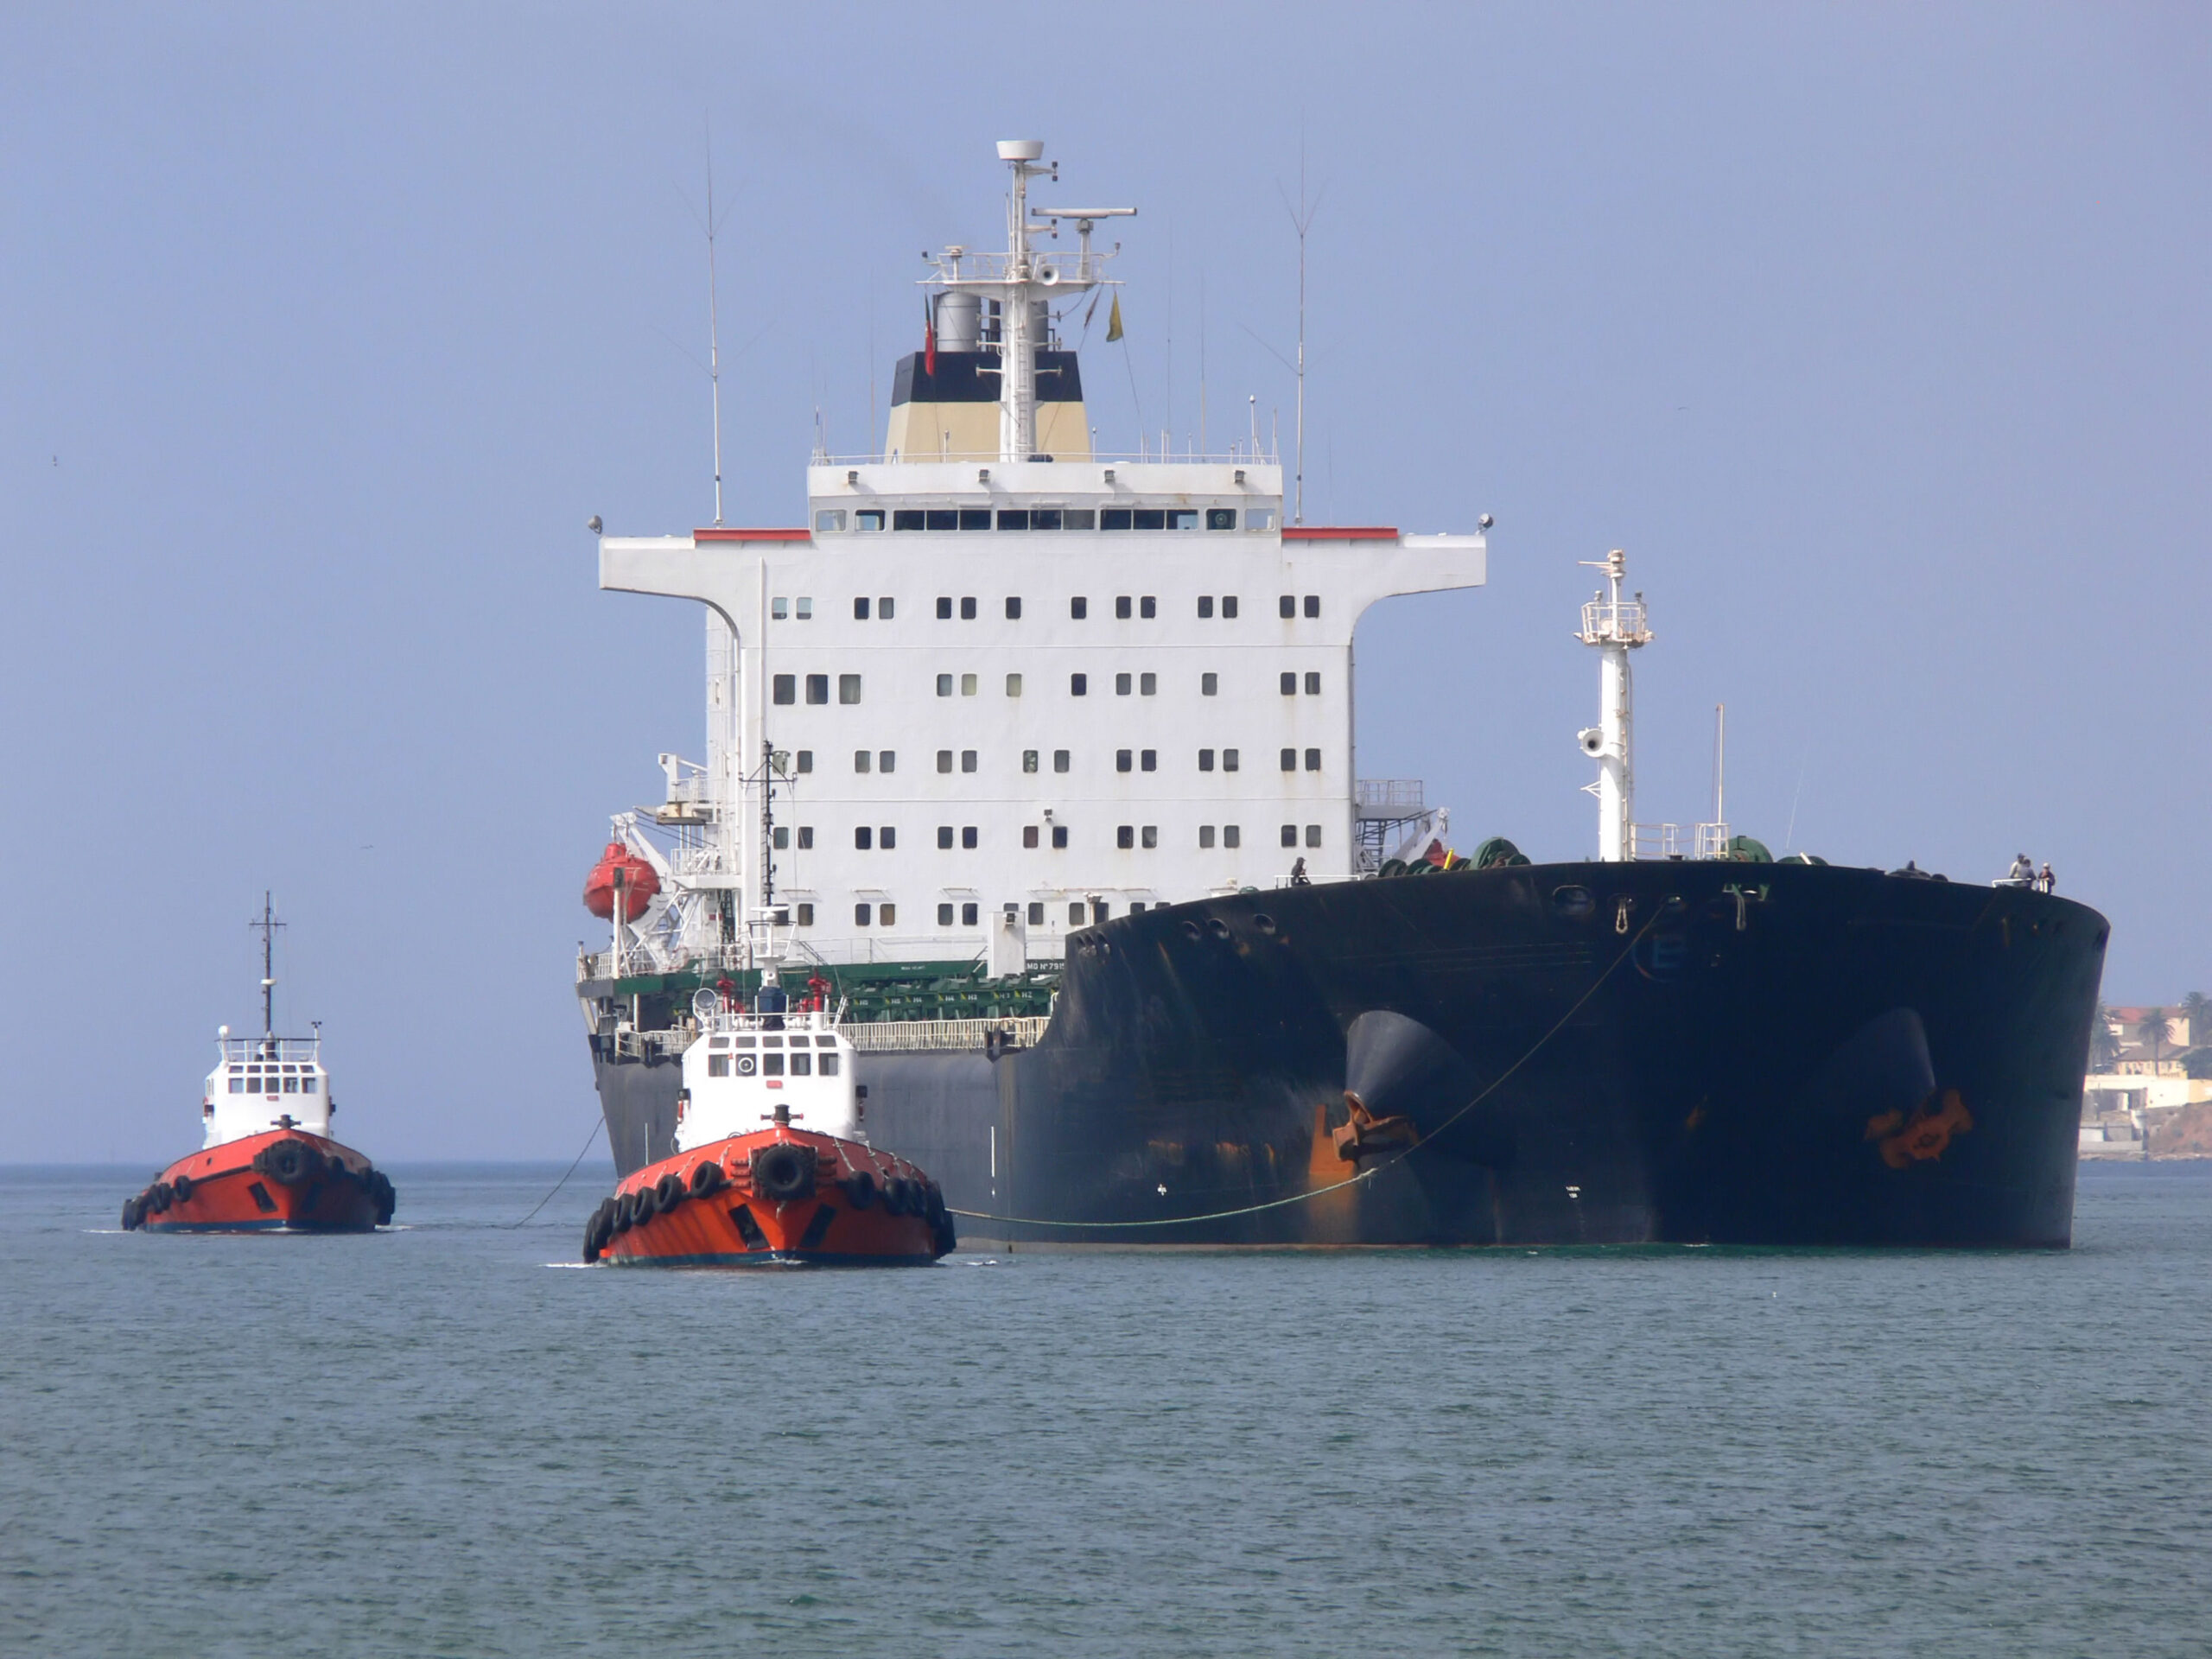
{"x":860,"y":1189}
{"x":706,"y":1178}
{"x":181,"y":1189}
{"x":896,"y":1195}
{"x":292,"y":1163}
{"x":669,"y":1191}
{"x":784,"y":1172}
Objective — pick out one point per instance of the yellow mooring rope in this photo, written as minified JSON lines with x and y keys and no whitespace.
{"x":1365,"y":1174}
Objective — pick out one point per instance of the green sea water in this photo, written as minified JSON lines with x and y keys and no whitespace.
{"x":447,"y":1440}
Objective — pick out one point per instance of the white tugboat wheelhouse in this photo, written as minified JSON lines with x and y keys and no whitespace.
{"x":1000,"y":687}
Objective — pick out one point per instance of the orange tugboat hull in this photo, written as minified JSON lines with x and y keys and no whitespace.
{"x":773,"y":1197}
{"x":285,"y":1180}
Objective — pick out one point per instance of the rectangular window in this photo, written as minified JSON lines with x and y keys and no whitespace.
{"x":1060,"y":760}
{"x":1014,"y":685}
{"x":1123,"y":760}
{"x":944,"y":608}
{"x":1151,"y":519}
{"x":1312,"y":604}
{"x":1148,"y":607}
{"x":779,"y":609}
{"x":968,"y":838}
{"x":1036,"y":914}
{"x":1205,"y":605}
{"x":802,"y":1065}
{"x":1182,"y":517}
{"x":805,"y":913}
{"x":1029,"y":759}
{"x":1100,"y":912}
{"x":805,"y":837}
{"x":1290,"y":835}
{"x":975,"y":518}
{"x":1290,"y":759}
{"x":818,"y":688}
{"x":1287,"y":606}
{"x":1148,"y":836}
{"x":1147,"y":684}
{"x":1205,"y":835}
{"x":905,"y":519}
{"x":861,"y":757}
{"x":945,"y":837}
{"x":783,"y":688}
{"x":863,"y":838}
{"x":1059,"y":837}
{"x":1312,"y":835}
{"x":1289,"y":684}
{"x":1149,"y":760}
{"x":967,"y":760}
{"x":1312,"y":759}
{"x":1043,"y":518}
{"x":883,"y":610}
{"x":968,"y":915}
{"x":1228,"y":759}
{"x":941,"y":517}
{"x":1313,"y":685}
{"x":806,"y":760}
{"x":887,"y":760}
{"x":944,"y":685}
{"x":1028,"y":835}
{"x":1126,"y":835}
{"x":1012,"y":609}
{"x":967,"y":685}
{"x":848,"y":688}
{"x":1232,"y":836}
{"x":1221,"y":518}
{"x":1113,"y":519}
{"x":805,"y":610}
{"x":887,"y":837}
{"x":1079,"y":608}
{"x":1079,"y":685}
{"x":860,"y":915}
{"x":1121,"y":685}
{"x":718,"y":1066}
{"x":1228,"y":606}
{"x":1075,"y":913}
{"x":1122,"y":607}
{"x":968,"y":608}
{"x":1205,"y":759}
{"x":868,"y":519}
{"x":1079,"y":518}
{"x":945,"y":759}
{"x":237,"y":1085}
{"x":771,"y":1065}
{"x":1014,"y":518}
{"x":887,"y":915}
{"x":783,"y":837}
{"x":1209,"y":685}
{"x":860,"y":610}
{"x":944,"y":915}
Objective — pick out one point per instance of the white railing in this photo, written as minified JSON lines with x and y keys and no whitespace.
{"x":1606,"y":620}
{"x":1664,"y":841}
{"x":1158,"y":455}
{"x":237,"y":1050}
{"x":938,"y":1036}
{"x":1388,"y":797}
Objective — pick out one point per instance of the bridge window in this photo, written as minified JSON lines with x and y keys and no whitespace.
{"x":1009,"y":519}
{"x":1080,"y":518}
{"x":1221,"y":518}
{"x":868,"y":519}
{"x":975,"y":518}
{"x":1044,"y":518}
{"x":1151,"y":519}
{"x":1114,"y":518}
{"x":1182,"y":519}
{"x":906,"y":519}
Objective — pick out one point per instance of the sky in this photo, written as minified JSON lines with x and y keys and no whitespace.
{"x":1876,"y":334}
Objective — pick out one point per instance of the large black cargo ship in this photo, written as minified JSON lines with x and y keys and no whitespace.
{"x":1147,"y":964}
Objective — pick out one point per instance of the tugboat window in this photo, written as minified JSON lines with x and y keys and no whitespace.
{"x":868,"y":519}
{"x":906,"y":519}
{"x":718,"y":1066}
{"x":1151,"y":519}
{"x":771,"y":1065}
{"x":1114,"y":518}
{"x":1079,"y":518}
{"x":1183,"y":519}
{"x":1221,"y":518}
{"x":1045,"y":518}
{"x":829,"y":1065}
{"x":802,"y":1065}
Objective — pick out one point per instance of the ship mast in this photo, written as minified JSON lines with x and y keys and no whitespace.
{"x":268,"y":925}
{"x":1615,"y":626}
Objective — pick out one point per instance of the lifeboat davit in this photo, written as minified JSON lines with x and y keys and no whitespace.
{"x":619,"y":867}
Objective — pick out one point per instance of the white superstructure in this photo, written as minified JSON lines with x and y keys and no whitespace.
{"x":749,"y":1067}
{"x":977,"y":704}
{"x":267,"y":1082}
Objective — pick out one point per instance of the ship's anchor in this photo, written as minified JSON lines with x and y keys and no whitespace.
{"x":1365,"y":1135}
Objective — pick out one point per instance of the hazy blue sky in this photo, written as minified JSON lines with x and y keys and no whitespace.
{"x":1878,"y":335}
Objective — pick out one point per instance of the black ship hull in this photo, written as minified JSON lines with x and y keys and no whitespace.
{"x":1567,"y":1053}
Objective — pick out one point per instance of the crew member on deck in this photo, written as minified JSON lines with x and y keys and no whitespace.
{"x":2022,"y":871}
{"x":2045,"y":880}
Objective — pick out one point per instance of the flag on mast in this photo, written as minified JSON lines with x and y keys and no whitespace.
{"x":929,"y":341}
{"x":1114,"y":322}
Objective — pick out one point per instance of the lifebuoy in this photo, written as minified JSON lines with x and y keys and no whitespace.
{"x":860,"y":1189}
{"x":705,"y":1178}
{"x":783,"y":1171}
{"x":670,"y":1192}
{"x":181,"y":1189}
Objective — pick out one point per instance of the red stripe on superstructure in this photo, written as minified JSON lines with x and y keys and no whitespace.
{"x":721,"y":534}
{"x":1346,"y":533}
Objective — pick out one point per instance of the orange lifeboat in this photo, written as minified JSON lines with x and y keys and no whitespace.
{"x":772,"y":1197}
{"x":619,"y":867}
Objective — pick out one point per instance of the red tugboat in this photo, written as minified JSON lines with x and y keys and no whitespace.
{"x":805,"y":1188}
{"x":267,"y":1163}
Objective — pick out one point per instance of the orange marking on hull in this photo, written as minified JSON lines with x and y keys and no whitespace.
{"x":1922,"y":1137}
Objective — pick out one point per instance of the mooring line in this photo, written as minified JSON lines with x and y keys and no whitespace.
{"x":598,"y":1123}
{"x":1498,"y":1083}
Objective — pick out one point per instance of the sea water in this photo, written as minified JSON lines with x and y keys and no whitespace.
{"x":449,"y":1438}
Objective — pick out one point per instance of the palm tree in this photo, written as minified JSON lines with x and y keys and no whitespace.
{"x":2151,"y":1028}
{"x":2197,"y":1008}
{"x":2104,"y":1047}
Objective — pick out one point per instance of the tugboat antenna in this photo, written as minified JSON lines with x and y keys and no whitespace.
{"x":714,"y":328}
{"x":268,"y":924}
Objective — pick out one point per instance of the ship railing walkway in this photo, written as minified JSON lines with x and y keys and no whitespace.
{"x":869,"y":1036}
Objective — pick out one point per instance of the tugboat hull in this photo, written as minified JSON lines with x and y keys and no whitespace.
{"x":775,"y":1198}
{"x":284,"y":1181}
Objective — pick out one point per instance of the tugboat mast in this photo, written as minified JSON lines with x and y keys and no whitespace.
{"x":268,"y":925}
{"x":1615,"y":626}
